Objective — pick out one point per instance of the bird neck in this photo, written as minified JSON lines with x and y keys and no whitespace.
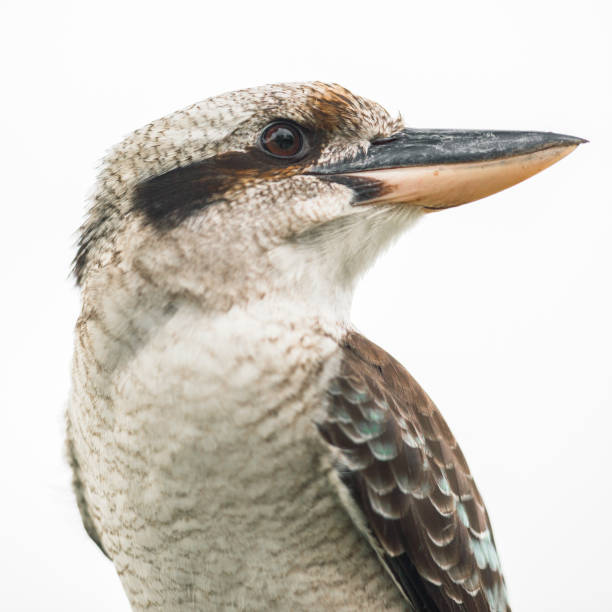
{"x":123,"y":317}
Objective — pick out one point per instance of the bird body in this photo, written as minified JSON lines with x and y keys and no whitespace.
{"x":235,"y":443}
{"x":224,"y":405}
{"x":234,"y":484}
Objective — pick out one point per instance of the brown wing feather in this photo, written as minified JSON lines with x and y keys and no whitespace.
{"x":408,"y":476}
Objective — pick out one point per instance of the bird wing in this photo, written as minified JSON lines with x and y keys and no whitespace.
{"x":410,"y":485}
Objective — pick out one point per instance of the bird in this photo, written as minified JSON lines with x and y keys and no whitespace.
{"x":235,"y":442}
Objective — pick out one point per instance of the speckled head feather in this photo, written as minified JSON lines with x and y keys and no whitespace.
{"x":211,"y":146}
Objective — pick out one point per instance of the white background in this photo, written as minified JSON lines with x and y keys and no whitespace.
{"x":501,"y":309}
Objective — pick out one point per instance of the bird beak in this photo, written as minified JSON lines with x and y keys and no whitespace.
{"x":437,"y":169}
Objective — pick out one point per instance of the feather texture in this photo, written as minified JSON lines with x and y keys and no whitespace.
{"x":410,"y":480}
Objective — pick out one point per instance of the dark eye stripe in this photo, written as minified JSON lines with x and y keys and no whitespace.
{"x":167,"y":199}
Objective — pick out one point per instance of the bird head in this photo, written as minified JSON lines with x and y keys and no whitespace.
{"x":289,"y":189}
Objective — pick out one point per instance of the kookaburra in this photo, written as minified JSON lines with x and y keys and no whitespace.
{"x":236,"y":444}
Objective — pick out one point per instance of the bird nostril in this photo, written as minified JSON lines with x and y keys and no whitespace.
{"x":383,"y":140}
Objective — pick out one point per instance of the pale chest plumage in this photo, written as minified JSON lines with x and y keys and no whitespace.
{"x":207,"y":477}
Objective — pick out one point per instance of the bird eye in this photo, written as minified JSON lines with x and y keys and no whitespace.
{"x":282,"y":139}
